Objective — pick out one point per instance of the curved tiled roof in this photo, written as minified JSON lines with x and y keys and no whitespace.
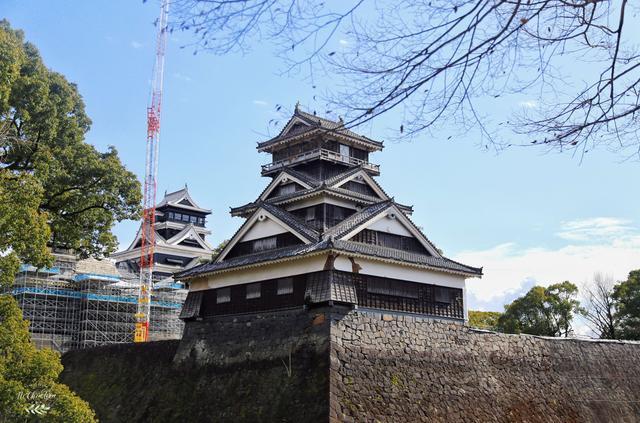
{"x":368,"y":250}
{"x":356,"y":219}
{"x":317,"y":123}
{"x":290,"y":220}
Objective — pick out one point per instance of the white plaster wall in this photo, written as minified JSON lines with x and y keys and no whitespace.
{"x":391,"y":226}
{"x":263,"y":229}
{"x":319,"y":200}
{"x":260,"y":273}
{"x":394,"y":271}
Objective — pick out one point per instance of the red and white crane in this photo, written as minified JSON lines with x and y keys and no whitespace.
{"x":148,"y":234}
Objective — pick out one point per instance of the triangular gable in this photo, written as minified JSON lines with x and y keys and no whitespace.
{"x":400,"y":220}
{"x":188,"y":232}
{"x":283,"y":178}
{"x":294,"y":125}
{"x":137,"y":240}
{"x":258,"y":216}
{"x":362,"y":176}
{"x":180,"y":198}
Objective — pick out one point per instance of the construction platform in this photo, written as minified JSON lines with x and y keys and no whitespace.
{"x":80,"y":304}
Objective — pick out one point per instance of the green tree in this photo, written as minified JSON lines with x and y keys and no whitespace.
{"x":29,"y":390}
{"x":82,"y":192}
{"x":55,"y":191}
{"x":627,"y":297}
{"x":484,"y":319}
{"x":542,"y":311}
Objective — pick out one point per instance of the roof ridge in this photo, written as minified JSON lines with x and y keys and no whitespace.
{"x":310,"y":233}
{"x":300,"y":175}
{"x":177,"y":191}
{"x":318,"y":123}
{"x":343,"y":175}
{"x":291,"y":252}
{"x":352,"y":221}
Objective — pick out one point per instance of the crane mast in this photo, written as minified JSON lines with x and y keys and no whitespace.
{"x":148,"y":237}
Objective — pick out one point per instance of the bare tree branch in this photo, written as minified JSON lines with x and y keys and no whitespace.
{"x":601,"y":311}
{"x":442,"y":60}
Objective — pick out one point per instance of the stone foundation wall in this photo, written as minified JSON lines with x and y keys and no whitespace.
{"x":341,"y":365}
{"x":393,"y":368}
{"x":271,"y":367}
{"x":227,"y":340}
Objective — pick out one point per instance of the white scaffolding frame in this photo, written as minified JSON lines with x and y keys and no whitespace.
{"x":69,"y":311}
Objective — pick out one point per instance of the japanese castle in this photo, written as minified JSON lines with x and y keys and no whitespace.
{"x":180,"y":237}
{"x":323,"y":232}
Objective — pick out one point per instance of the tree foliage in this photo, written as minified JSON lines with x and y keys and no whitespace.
{"x":437,"y":59}
{"x":78,"y":190}
{"x":542,"y":311}
{"x":484,"y":319}
{"x":55,"y":191}
{"x":627,"y":297}
{"x":29,"y":390}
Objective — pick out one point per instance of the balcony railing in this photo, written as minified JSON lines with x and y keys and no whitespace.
{"x":322,"y":154}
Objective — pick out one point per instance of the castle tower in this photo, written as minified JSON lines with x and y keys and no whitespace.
{"x":180,"y":237}
{"x":323,"y":232}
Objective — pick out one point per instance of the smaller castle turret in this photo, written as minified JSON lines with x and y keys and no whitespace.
{"x":180,"y":237}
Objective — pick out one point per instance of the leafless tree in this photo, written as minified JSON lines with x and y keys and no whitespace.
{"x":444,"y":61}
{"x":601,"y":310}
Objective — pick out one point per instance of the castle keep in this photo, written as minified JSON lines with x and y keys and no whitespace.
{"x":323,"y":232}
{"x":180,"y":237}
{"x":330,"y":305}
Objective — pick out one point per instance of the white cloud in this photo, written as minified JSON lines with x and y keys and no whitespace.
{"x":260,"y":103}
{"x":343,"y":42}
{"x":136,"y":44}
{"x":529,"y":104}
{"x":509,"y":271}
{"x":596,"y":228}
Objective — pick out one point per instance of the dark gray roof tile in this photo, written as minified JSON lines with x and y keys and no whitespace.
{"x":356,"y":219}
{"x":318,"y":123}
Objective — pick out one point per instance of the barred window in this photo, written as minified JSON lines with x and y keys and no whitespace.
{"x":285,"y":286}
{"x":223,"y":295}
{"x":287,"y":189}
{"x":311,"y":214}
{"x":443,"y":295}
{"x":265,"y":244}
{"x":253,"y":291}
{"x":388,"y":287}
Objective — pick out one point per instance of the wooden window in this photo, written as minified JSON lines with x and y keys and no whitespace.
{"x":285,"y":286}
{"x":310,"y":214}
{"x":223,"y":295}
{"x":443,"y":295}
{"x":344,"y":152}
{"x":263,"y":244}
{"x":287,"y":189}
{"x":388,"y":287}
{"x":253,"y":291}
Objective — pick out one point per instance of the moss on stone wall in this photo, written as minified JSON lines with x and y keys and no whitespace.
{"x":396,"y":368}
{"x":352,"y":366}
{"x":235,"y":381}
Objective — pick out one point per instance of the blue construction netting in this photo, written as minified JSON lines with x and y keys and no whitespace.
{"x":88,"y":276}
{"x":30,"y":268}
{"x":86,"y":296}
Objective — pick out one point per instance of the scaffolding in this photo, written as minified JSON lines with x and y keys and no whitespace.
{"x":70,"y":310}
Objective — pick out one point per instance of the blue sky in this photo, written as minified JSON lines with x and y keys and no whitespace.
{"x":526,"y":216}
